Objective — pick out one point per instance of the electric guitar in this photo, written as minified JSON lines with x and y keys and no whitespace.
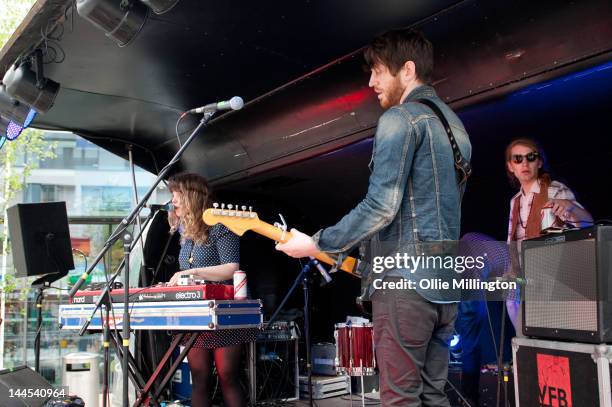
{"x":240,"y":221}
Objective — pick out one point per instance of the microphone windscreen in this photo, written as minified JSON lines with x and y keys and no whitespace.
{"x":236,"y":103}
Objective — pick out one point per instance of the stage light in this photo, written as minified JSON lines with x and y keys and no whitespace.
{"x":455,"y":349}
{"x":14,"y":110}
{"x":120,"y":20}
{"x":13,"y":130}
{"x":456,"y":339}
{"x":31,"y":88}
{"x":160,"y":6}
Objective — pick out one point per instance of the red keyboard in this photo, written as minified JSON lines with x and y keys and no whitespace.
{"x":161,"y":293}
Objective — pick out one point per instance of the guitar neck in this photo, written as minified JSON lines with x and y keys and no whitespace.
{"x":349,"y":264}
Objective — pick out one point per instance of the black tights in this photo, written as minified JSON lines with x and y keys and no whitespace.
{"x":227,"y":361}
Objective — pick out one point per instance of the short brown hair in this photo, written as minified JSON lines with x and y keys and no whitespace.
{"x":543,"y":173}
{"x":394,"y":47}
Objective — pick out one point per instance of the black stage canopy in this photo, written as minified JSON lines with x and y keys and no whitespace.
{"x":296,"y":64}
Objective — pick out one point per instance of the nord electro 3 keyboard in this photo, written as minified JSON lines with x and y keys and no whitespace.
{"x":170,"y":315}
{"x":160,"y":293}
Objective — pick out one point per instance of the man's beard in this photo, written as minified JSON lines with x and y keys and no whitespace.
{"x":393,"y":96}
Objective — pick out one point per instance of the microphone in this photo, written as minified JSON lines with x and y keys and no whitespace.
{"x":167,"y":207}
{"x":321,"y":269}
{"x":234,"y":103}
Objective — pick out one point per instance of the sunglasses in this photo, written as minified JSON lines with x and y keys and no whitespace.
{"x":518,"y":158}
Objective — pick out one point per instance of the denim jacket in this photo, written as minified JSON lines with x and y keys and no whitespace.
{"x":413,"y":195}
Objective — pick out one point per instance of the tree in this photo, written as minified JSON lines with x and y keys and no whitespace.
{"x":11,"y":14}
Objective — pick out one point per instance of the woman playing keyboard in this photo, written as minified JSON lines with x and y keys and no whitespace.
{"x":211,"y":254}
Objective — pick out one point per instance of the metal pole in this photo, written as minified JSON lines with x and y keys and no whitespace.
{"x":135,"y":188}
{"x":127,"y":241}
{"x":39,"y":298}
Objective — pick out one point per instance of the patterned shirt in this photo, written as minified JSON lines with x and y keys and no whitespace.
{"x":556,"y":190}
{"x":222,"y":247}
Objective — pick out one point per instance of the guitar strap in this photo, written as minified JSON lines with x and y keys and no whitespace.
{"x":463,"y":167}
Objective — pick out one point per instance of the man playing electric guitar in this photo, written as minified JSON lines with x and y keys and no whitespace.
{"x":413,"y":197}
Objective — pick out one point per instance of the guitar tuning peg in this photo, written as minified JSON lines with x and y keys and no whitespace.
{"x":215,"y":205}
{"x":222,"y":206}
{"x":243,"y":208}
{"x":230,"y":206}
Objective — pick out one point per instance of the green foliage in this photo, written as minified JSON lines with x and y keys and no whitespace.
{"x":12,"y":13}
{"x":8,"y":285}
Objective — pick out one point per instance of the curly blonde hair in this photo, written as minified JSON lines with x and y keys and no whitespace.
{"x":194,"y":199}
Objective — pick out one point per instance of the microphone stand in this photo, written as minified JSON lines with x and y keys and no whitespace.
{"x":306,"y":286}
{"x":105,"y":298}
{"x":121,"y":231}
{"x":304,"y":278}
{"x":39,"y":301}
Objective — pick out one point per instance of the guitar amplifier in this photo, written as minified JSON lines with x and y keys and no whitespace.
{"x":568,"y":286}
{"x":273,"y":364}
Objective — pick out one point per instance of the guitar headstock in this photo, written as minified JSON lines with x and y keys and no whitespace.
{"x":237,"y":219}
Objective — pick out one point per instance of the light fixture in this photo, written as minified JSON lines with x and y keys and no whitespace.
{"x":14,"y":110}
{"x":13,"y":130}
{"x":29,"y":87}
{"x":160,"y":6}
{"x":121,"y":20}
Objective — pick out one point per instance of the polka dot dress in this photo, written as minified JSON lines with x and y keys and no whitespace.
{"x":222,"y":247}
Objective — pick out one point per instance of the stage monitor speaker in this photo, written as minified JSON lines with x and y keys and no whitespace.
{"x":22,"y":378}
{"x":273,"y":364}
{"x":568,"y":288}
{"x":40,"y":239}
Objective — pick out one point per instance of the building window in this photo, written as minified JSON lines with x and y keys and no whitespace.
{"x":50,"y":193}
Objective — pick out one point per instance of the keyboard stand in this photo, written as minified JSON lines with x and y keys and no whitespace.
{"x":144,"y":393}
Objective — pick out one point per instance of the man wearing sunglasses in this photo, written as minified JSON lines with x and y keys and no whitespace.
{"x":526,"y":169}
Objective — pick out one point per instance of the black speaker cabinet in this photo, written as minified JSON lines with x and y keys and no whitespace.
{"x":22,"y":378}
{"x":568,"y":286}
{"x":273,"y":368}
{"x":40,"y":239}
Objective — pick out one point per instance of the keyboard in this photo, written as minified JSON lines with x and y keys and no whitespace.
{"x":160,"y":293}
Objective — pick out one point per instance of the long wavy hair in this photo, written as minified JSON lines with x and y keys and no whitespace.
{"x":194,"y":199}
{"x":543,"y":173}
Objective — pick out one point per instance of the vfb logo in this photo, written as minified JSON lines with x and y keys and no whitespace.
{"x":555,"y":388}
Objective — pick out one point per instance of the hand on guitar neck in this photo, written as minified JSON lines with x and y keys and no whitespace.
{"x":298,"y":245}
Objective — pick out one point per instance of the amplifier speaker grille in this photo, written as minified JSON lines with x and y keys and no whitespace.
{"x":567,"y":291}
